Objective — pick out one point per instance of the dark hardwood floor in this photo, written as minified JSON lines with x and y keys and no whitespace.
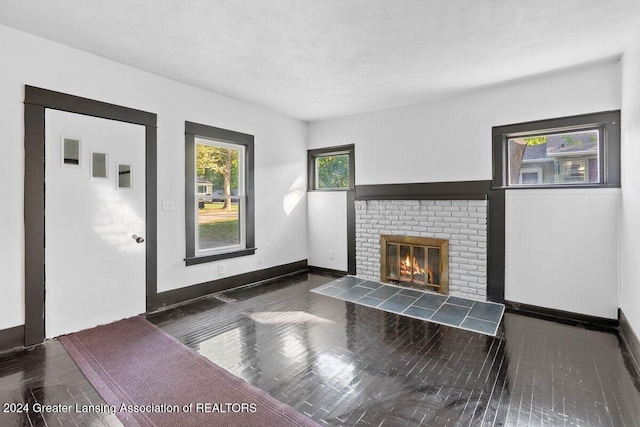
{"x":345,"y":364}
{"x":45,"y":374}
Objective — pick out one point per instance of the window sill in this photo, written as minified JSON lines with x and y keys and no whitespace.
{"x":328,"y":190}
{"x":554,"y":187}
{"x":216,"y":257}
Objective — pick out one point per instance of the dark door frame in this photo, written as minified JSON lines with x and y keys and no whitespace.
{"x":36,"y":101}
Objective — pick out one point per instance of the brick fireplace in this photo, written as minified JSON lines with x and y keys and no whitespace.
{"x":463,"y":223}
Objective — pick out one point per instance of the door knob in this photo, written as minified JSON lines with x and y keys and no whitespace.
{"x":137,"y":238}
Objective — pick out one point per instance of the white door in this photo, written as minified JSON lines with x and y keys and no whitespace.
{"x":94,"y":266}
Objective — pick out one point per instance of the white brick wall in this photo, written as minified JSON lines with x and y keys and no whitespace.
{"x":462,"y":222}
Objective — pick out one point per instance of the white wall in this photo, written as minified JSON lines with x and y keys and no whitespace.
{"x":630,"y":206}
{"x":450,"y":140}
{"x":562,"y":250}
{"x":280,"y":159}
{"x":327,"y":218}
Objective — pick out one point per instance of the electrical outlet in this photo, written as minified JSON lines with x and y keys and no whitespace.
{"x":220,"y":269}
{"x":330,"y":254}
{"x":167,"y":205}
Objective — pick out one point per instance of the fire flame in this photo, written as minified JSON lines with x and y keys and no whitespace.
{"x":407,"y":268}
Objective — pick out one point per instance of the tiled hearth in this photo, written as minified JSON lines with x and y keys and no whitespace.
{"x":476,"y":316}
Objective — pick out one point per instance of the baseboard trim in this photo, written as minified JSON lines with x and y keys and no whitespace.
{"x":11,"y":338}
{"x":630,"y":340}
{"x":329,"y":271}
{"x":561,"y":316}
{"x":181,"y":295}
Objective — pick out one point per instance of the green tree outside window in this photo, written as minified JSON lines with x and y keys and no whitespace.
{"x":332,"y":171}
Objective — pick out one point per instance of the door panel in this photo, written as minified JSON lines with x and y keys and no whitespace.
{"x":95,"y":268}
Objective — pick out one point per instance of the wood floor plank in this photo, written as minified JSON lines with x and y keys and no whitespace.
{"x":46,"y":374}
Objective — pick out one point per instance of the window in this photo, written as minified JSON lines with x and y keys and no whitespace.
{"x":530,"y":176}
{"x":124,"y":176}
{"x":219,"y":193}
{"x":331,"y":168}
{"x":565,"y":152}
{"x":71,"y":151}
{"x":558,"y":158}
{"x":99,"y":165}
{"x":574,"y":171}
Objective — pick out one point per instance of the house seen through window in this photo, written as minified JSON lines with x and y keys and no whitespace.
{"x":561,"y":158}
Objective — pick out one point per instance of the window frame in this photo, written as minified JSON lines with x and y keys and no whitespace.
{"x":314,"y":155}
{"x":193,"y":131}
{"x":608,"y":125}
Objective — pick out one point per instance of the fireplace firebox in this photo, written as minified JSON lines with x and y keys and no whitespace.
{"x":415,"y":262}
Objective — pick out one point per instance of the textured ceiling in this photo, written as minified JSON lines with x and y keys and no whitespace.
{"x":313,"y":59}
